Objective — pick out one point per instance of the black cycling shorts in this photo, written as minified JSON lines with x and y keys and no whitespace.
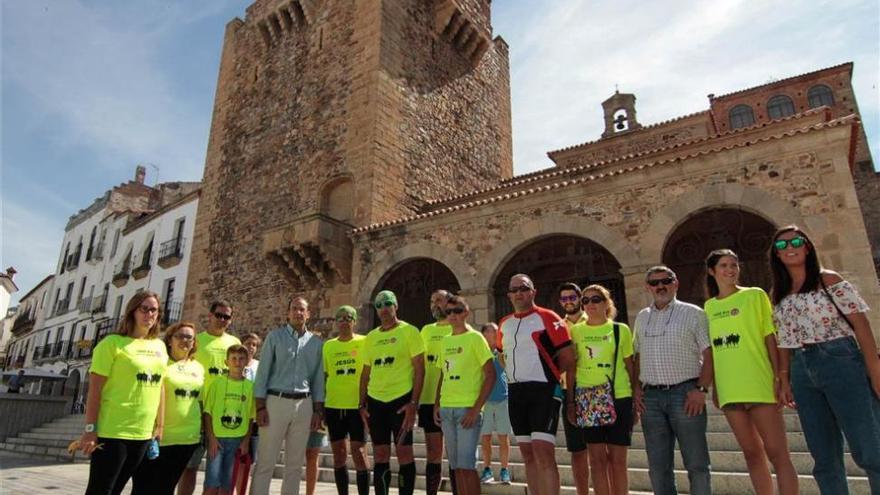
{"x":426,"y":419}
{"x":342,"y":423}
{"x":385,"y":422}
{"x":534,"y":410}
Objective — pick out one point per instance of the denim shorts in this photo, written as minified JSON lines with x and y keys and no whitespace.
{"x":218,"y":471}
{"x":317,"y":440}
{"x":461,"y":443}
{"x":496,"y":419}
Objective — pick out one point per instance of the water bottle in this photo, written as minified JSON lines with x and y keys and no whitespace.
{"x":153,"y":449}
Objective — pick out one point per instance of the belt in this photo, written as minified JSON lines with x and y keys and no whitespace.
{"x":289,"y":395}
{"x":648,"y":386}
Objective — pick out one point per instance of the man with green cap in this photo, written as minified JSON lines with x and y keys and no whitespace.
{"x":343,"y":364}
{"x":391,"y":384}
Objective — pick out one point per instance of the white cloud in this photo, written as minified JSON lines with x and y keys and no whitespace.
{"x":567,"y":60}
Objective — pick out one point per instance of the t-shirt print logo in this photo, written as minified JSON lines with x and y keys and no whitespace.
{"x":148,"y":378}
{"x":725,"y":341}
{"x":183,"y":394}
{"x":231,"y":421}
{"x":734,"y":311}
{"x":432,"y":358}
{"x":346,"y":371}
{"x":386,"y":361}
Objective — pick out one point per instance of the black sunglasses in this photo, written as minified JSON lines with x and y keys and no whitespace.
{"x":593,"y":299}
{"x":795,"y":243}
{"x":449,"y":311}
{"x":386,"y":304}
{"x":222,"y":316}
{"x":664,"y":281}
{"x":521,"y":288}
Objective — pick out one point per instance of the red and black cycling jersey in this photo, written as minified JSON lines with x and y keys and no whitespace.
{"x":530,"y":342}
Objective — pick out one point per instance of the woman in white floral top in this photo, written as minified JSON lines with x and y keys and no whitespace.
{"x":827,"y":348}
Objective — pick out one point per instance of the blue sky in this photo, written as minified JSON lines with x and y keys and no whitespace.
{"x":91,"y":88}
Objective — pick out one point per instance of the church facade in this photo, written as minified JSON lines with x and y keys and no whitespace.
{"x":355,"y":149}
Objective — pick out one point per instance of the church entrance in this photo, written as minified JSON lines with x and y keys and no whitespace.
{"x":413,"y":281}
{"x":747,"y":234}
{"x":554,"y":260}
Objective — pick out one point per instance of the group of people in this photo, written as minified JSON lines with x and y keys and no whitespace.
{"x":811,"y":348}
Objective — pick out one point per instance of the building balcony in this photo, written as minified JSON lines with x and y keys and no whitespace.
{"x":81,"y":349}
{"x":95,"y":253}
{"x":19,"y":362}
{"x":99,"y":304}
{"x":171,"y":312}
{"x":103,"y":329}
{"x":143,"y":268}
{"x":73,"y":261}
{"x":313,"y":250}
{"x":22,"y":325}
{"x":171,"y":252}
{"x":85,"y":305}
{"x":121,"y":273}
{"x":62,"y":307}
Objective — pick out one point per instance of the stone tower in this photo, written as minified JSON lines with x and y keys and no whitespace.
{"x":620,"y":114}
{"x":334,"y":114}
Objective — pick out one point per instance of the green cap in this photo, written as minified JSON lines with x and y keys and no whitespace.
{"x":385,"y":296}
{"x":348,"y":311}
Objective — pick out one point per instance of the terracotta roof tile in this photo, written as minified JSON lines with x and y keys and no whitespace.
{"x":838,"y":66}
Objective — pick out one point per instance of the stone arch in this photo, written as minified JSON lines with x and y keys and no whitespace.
{"x":747,"y":198}
{"x":495,"y":260}
{"x":387,"y":261}
{"x":337,"y":198}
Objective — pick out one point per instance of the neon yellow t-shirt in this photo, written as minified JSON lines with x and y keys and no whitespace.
{"x":595,"y":351}
{"x":231,"y":406}
{"x":461,"y":360}
{"x":738,"y":325}
{"x":389,"y":355}
{"x":130,"y":398}
{"x":432,"y":336}
{"x":211,"y":353}
{"x":343,"y":363}
{"x":183,"y":409}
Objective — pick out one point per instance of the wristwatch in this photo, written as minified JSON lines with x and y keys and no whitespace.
{"x":703,"y":389}
{"x":90,"y":428}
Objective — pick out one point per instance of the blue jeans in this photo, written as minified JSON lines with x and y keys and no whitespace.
{"x":461,"y":442}
{"x":833,"y":395}
{"x":218,"y":471}
{"x":665,"y":421}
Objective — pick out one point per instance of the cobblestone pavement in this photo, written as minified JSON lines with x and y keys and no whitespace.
{"x":31,"y":476}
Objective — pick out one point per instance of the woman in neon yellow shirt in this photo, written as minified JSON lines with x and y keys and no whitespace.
{"x":745,"y":359}
{"x":595,"y":345}
{"x":124,"y":409}
{"x":183,"y":414}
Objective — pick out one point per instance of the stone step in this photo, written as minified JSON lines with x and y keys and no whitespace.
{"x":723,"y":483}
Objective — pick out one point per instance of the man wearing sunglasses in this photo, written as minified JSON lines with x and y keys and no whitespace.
{"x":673,"y":361}
{"x":432,"y":336}
{"x":537,"y":350}
{"x":390,"y":388}
{"x":343,"y":364}
{"x":289,"y":392}
{"x":575,"y":438}
{"x":211,"y":346}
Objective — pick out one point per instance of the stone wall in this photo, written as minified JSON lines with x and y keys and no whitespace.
{"x":803,"y":179}
{"x":867,"y":182}
{"x":310,"y":92}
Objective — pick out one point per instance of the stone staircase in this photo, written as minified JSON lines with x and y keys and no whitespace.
{"x":729,"y":475}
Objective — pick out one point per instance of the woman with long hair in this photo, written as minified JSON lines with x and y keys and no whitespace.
{"x":183,"y":415}
{"x":827,"y":360}
{"x":125,"y":405}
{"x":604,"y":351}
{"x":746,"y":372}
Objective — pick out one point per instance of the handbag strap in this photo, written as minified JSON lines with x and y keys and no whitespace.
{"x":828,"y":293}
{"x":614,"y":363}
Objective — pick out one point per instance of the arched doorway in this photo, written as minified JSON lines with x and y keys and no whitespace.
{"x":413,"y":281}
{"x":71,"y":387}
{"x":747,"y":234}
{"x":554,"y":260}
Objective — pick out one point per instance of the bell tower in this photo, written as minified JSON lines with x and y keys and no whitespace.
{"x":331,"y":115}
{"x":620,"y":114}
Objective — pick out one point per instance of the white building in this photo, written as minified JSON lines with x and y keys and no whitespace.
{"x":132,"y":238}
{"x":7,"y":288}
